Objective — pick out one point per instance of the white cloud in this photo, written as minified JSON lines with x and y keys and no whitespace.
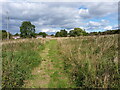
{"x":92,"y":25}
{"x":98,"y":9}
{"x":47,"y":16}
{"x":84,"y":13}
{"x":108,"y":28}
{"x":50,"y":30}
{"x":102,"y":9}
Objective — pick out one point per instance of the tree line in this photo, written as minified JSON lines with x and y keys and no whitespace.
{"x":108,"y":32}
{"x":72,"y":33}
{"x":27,"y":30}
{"x":80,"y":32}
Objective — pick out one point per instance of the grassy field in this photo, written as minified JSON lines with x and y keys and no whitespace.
{"x":86,"y":61}
{"x":91,"y":61}
{"x":50,"y":73}
{"x":18,"y":61}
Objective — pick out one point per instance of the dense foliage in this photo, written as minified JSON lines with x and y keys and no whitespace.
{"x":27,"y":30}
{"x":4,"y":34}
{"x":43,"y":34}
{"x":77,"y":32}
{"x":81,"y":32}
{"x":62,"y":33}
{"x":105,"y":32}
{"x":16,"y":34}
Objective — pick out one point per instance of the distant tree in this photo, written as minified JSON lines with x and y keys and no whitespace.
{"x":62,"y":33}
{"x":105,"y":32}
{"x":27,"y":30}
{"x":36,"y":34}
{"x":112,"y":32}
{"x":16,"y":34}
{"x":43,"y":34}
{"x":81,"y":32}
{"x":52,"y":35}
{"x":72,"y":33}
{"x":57,"y":34}
{"x":95,"y":33}
{"x":40,"y":33}
{"x":77,"y":32}
{"x":4,"y":33}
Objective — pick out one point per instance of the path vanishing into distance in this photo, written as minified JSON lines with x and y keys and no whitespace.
{"x":50,"y":73}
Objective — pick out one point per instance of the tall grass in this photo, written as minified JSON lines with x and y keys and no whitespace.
{"x":91,"y":61}
{"x":18,"y":59}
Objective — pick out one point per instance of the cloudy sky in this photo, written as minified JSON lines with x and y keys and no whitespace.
{"x":51,"y":17}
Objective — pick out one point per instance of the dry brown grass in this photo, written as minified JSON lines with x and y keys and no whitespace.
{"x":91,"y":60}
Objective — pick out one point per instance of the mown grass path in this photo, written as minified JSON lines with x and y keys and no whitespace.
{"x":50,"y":73}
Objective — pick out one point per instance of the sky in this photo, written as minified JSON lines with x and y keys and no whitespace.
{"x":51,"y":17}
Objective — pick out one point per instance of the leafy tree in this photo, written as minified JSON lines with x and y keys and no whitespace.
{"x":57,"y":34}
{"x":62,"y":33}
{"x":72,"y":33}
{"x":52,"y":34}
{"x":3,"y":34}
{"x":16,"y":34}
{"x":43,"y":34}
{"x":77,"y":32}
{"x":27,"y":29}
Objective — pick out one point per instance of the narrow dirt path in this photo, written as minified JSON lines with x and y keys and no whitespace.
{"x":40,"y":78}
{"x":50,"y":73}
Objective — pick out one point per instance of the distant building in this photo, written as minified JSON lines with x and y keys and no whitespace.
{"x":15,"y":37}
{"x":48,"y":36}
{"x":39,"y":36}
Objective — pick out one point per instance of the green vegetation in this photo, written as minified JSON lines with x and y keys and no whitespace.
{"x":80,"y":32}
{"x":27,"y":30}
{"x":77,"y":32}
{"x":59,"y":78}
{"x":91,"y":61}
{"x":3,"y":34}
{"x":62,"y":33}
{"x":52,"y":35}
{"x":43,"y":34}
{"x":19,"y":59}
{"x":16,"y":34}
{"x":108,"y":32}
{"x":88,"y":61}
{"x":72,"y":33}
{"x":50,"y":73}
